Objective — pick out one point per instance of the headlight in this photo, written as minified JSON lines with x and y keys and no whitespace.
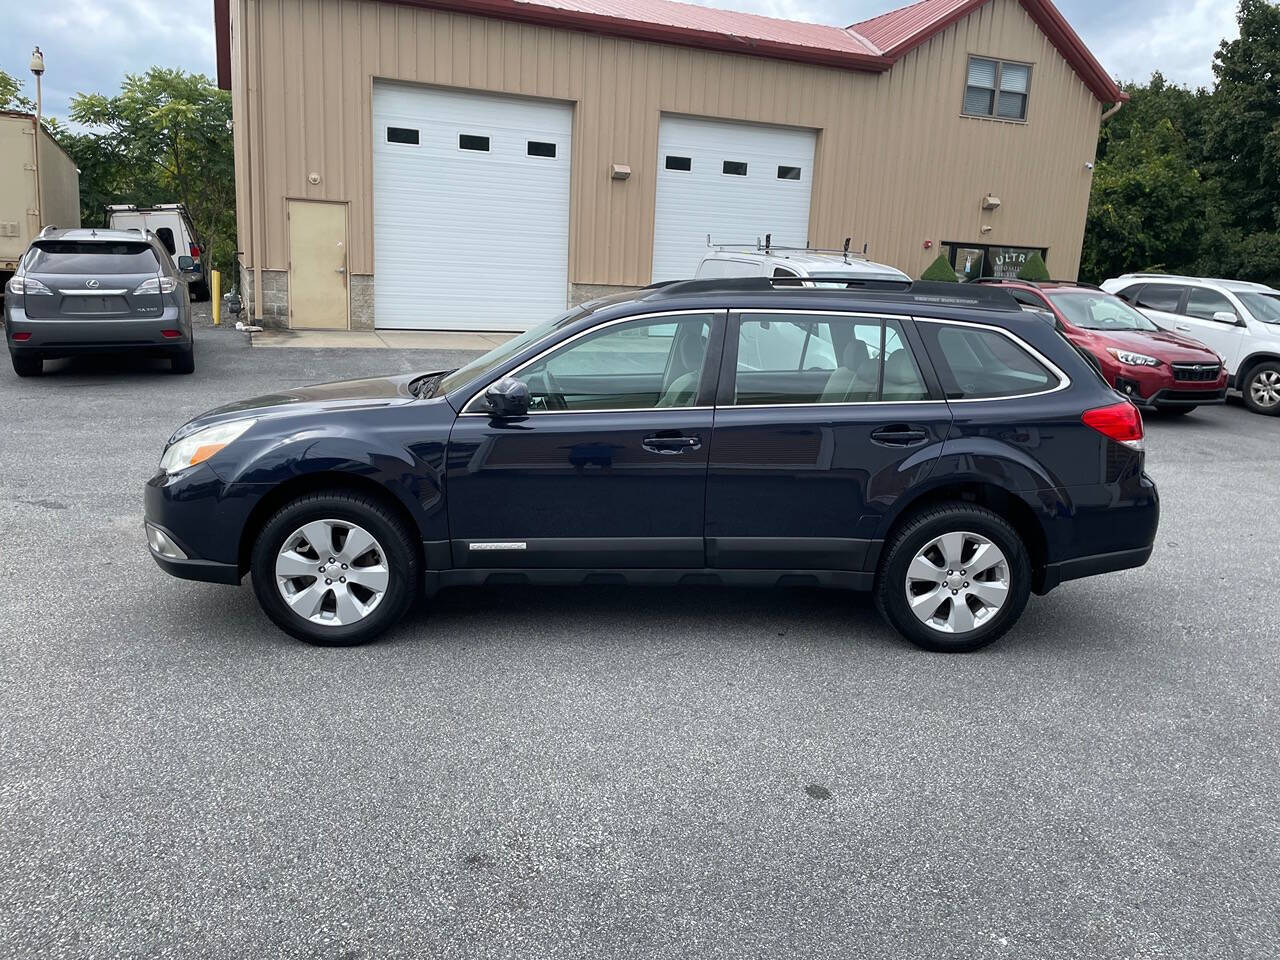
{"x":1133,"y":359}
{"x":202,"y":445}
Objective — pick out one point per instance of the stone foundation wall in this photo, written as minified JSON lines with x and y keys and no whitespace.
{"x":275,"y":298}
{"x":361,"y":300}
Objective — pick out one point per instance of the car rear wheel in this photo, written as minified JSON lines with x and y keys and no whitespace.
{"x":335,"y":568}
{"x":954,"y":578}
{"x":25,"y":366}
{"x":184,"y":362}
{"x":1262,"y":388}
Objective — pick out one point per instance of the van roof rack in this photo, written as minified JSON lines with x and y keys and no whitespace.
{"x":767,"y":246}
{"x":918,"y":291}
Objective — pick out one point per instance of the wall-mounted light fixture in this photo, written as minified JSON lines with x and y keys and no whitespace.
{"x":620,"y":171}
{"x":990,"y":202}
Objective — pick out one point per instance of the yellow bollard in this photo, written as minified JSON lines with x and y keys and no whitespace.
{"x":215,"y":295}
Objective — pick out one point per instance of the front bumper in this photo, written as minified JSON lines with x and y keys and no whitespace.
{"x":53,"y":338}
{"x":203,"y":518}
{"x":1180,"y":397}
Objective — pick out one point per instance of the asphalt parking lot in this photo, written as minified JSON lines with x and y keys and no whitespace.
{"x":619,"y":773}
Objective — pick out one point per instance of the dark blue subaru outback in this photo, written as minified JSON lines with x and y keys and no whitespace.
{"x":933,"y":444}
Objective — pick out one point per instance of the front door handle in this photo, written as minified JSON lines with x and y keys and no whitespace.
{"x":667,"y":445}
{"x":899,"y":435}
{"x":1183,"y":329}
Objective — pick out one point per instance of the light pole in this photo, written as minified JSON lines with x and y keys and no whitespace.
{"x":37,"y":67}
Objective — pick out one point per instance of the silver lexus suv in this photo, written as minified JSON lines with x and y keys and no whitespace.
{"x":96,"y":291}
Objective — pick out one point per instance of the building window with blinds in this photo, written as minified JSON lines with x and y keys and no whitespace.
{"x":996,"y":88}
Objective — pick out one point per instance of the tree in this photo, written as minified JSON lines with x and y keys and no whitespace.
{"x":11,"y":96}
{"x":1034,"y":270}
{"x":165,"y":137}
{"x":1243,"y":133}
{"x":940,"y":271}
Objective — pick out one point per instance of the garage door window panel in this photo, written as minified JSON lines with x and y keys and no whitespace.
{"x":475,"y":142}
{"x":734,"y":168}
{"x":679,"y":164}
{"x":406,"y":136}
{"x":641,"y":365}
{"x":540,"y":148}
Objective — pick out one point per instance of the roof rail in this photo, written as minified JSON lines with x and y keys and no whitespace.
{"x":920,"y":291}
{"x":996,"y":281}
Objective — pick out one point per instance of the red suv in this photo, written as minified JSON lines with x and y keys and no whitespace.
{"x":1157,"y":368}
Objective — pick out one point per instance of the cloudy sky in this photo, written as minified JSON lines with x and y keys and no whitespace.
{"x":90,"y":44}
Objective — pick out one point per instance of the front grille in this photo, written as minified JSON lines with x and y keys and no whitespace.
{"x":1196,"y":372}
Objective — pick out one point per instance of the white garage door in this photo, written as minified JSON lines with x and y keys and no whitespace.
{"x":734,"y":181}
{"x":470,"y":209}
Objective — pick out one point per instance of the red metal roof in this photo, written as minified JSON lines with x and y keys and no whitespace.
{"x":874,"y":45}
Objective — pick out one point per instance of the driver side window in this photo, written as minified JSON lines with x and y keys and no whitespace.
{"x":638,"y":365}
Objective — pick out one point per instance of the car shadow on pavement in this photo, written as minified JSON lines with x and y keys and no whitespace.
{"x":107,"y":365}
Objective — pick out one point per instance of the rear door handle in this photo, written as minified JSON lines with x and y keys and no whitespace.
{"x":899,"y":435}
{"x":668,"y":445}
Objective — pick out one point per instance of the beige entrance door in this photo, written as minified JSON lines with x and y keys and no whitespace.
{"x":317,"y":265}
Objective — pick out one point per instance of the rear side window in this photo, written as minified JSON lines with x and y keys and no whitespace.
{"x":805,"y":359}
{"x":978,"y":364}
{"x":70,"y":257}
{"x":1159,"y":296}
{"x":165,"y":236}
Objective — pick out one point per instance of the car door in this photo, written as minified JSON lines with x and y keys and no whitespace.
{"x":609,"y":467}
{"x":1199,"y":320}
{"x":823,"y":419}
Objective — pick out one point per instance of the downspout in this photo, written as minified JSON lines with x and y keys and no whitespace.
{"x":1112,"y":112}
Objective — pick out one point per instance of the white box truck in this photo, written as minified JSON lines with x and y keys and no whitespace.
{"x":28,"y":159}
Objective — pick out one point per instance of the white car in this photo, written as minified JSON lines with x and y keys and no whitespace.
{"x":784,"y":263}
{"x":1239,"y":320}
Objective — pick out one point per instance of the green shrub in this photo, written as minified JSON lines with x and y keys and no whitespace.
{"x":940,"y":270}
{"x":1034,"y":270}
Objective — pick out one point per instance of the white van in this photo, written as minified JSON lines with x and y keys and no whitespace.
{"x":176,"y":233}
{"x":783,"y":263}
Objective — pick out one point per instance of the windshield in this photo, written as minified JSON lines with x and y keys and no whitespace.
{"x":1263,"y":306}
{"x":1095,"y":310}
{"x":501,"y":354}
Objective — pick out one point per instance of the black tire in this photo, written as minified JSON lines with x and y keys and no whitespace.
{"x":400,"y":557}
{"x":199,"y":292}
{"x":1174,"y":411}
{"x":1269,"y":369}
{"x":913,"y":536}
{"x":27,"y":366}
{"x":184,"y":362}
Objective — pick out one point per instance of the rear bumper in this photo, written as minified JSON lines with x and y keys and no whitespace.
{"x":1080,"y":567}
{"x":66,"y":337}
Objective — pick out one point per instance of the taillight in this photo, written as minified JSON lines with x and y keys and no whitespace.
{"x":171,"y":334}
{"x":195,"y":251}
{"x":1120,"y":422}
{"x":22,"y":337}
{"x":156,"y":285}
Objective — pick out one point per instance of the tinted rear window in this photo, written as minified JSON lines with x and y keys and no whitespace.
{"x":978,"y":364}
{"x":70,"y":256}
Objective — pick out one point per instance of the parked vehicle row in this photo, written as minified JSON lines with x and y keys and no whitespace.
{"x":935,"y":445}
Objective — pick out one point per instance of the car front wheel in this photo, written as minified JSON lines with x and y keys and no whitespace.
{"x":335,"y":568}
{"x":1262,"y":389}
{"x":954,"y":578}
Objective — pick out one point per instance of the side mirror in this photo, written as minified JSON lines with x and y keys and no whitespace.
{"x":1226,"y":316}
{"x":186,"y":263}
{"x":508,"y":397}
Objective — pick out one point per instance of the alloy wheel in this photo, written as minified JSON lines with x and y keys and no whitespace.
{"x":1264,"y":388}
{"x":332,"y":572}
{"x":957,"y":582}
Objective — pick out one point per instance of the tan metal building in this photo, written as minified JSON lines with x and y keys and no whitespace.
{"x":477,"y":165}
